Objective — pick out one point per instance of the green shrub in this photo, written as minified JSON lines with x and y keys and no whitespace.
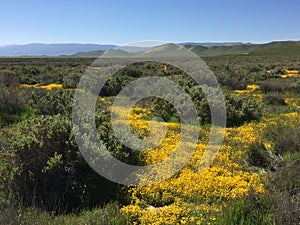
{"x":53,"y":102}
{"x":287,"y":208}
{"x":259,"y":156}
{"x":241,"y":109}
{"x":8,"y":78}
{"x":287,"y":178}
{"x":47,"y":168}
{"x":274,"y":85}
{"x":295,"y":86}
{"x":235,"y":84}
{"x":71,"y":80}
{"x":115,"y":84}
{"x":249,"y":210}
{"x":14,"y":105}
{"x":284,"y":136}
{"x":284,"y":189}
{"x":274,"y":98}
{"x":283,"y":183}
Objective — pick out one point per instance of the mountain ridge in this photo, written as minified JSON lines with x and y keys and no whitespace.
{"x":96,"y":50}
{"x":36,"y":49}
{"x":272,"y":48}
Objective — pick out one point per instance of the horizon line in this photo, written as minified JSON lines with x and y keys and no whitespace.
{"x":181,"y":42}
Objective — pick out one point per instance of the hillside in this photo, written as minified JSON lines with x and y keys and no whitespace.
{"x":284,"y":47}
{"x":92,"y":54}
{"x":272,"y":48}
{"x":292,"y":49}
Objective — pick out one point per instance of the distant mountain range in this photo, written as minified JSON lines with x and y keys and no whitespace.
{"x":201,"y":49}
{"x":37,"y":49}
{"x":50,"y":49}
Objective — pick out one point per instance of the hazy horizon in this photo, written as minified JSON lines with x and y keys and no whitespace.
{"x":125,"y":44}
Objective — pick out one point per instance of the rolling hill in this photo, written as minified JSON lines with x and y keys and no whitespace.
{"x":92,"y":54}
{"x":282,"y":48}
{"x":292,"y":49}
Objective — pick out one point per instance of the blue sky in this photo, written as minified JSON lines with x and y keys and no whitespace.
{"x":121,"y":22}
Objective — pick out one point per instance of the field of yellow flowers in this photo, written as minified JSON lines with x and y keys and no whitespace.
{"x":195,"y":196}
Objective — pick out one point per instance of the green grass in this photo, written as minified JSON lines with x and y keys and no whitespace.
{"x":250,"y":210}
{"x":108,"y":215}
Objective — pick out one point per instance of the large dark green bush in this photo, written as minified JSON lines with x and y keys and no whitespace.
{"x":241,"y":109}
{"x":29,"y":74}
{"x":48,"y":170}
{"x":52,"y":102}
{"x":115,"y":84}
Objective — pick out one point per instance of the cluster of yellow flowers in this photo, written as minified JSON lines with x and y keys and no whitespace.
{"x":258,"y":97}
{"x":192,"y":196}
{"x":293,"y":102}
{"x":290,"y":73}
{"x":48,"y":87}
{"x":250,"y":88}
